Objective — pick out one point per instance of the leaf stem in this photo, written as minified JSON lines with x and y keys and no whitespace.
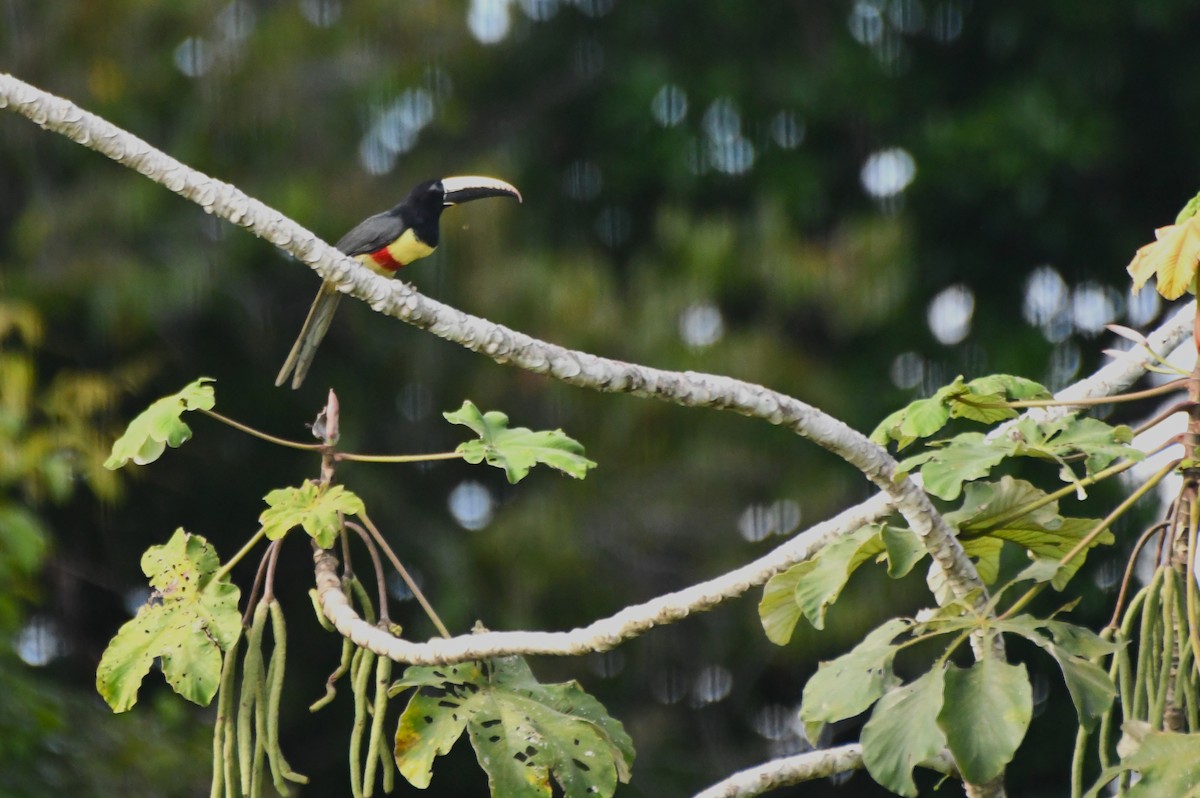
{"x":308,"y":447}
{"x":1133,"y":396}
{"x":408,"y":580}
{"x":1090,"y":537}
{"x":396,"y":458}
{"x":380,"y":581}
{"x":1063,"y":492}
{"x":224,"y":570}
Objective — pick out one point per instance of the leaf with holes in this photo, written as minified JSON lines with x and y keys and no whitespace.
{"x":188,"y":621}
{"x":159,"y":426}
{"x":523,"y":732}
{"x":518,"y":449}
{"x":309,"y":506}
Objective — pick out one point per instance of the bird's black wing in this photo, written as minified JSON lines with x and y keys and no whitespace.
{"x":371,"y":234}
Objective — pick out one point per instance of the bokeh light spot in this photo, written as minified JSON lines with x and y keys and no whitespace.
{"x":907,"y":371}
{"x":908,"y":16}
{"x":488,"y":20}
{"x":701,"y":325}
{"x":669,"y":105}
{"x":1045,"y":296}
{"x":194,"y":56}
{"x":539,"y":10}
{"x":950,"y":314}
{"x":321,"y":13}
{"x":888,"y":172}
{"x":787,"y":131}
{"x":1093,"y":306}
{"x":946,"y":23}
{"x":1142,"y":308}
{"x":236,"y":21}
{"x":760,"y":521}
{"x":866,"y":22}
{"x":38,"y":643}
{"x":714,"y":683}
{"x":472,"y":505}
{"x":583,"y":180}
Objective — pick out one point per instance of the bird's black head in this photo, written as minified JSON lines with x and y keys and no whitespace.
{"x":422,"y":208}
{"x":427,"y":199}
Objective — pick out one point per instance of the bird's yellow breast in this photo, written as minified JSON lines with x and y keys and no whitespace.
{"x":408,"y":248}
{"x":401,"y":252}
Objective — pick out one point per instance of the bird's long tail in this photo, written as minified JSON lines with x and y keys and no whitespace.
{"x":311,"y":334}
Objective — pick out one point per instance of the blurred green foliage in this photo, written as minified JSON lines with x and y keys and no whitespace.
{"x":695,"y":181}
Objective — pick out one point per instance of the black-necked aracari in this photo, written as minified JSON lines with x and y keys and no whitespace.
{"x":385,"y":243}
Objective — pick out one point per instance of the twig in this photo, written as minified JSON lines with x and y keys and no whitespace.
{"x":258,"y":433}
{"x":406,"y":576}
{"x":380,"y":579}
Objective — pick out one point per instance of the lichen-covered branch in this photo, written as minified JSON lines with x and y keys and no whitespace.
{"x":599,"y":635}
{"x":395,"y":298}
{"x":798,"y":768}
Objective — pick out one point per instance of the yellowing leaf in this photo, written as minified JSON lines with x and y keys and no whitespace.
{"x":160,"y":426}
{"x":1173,"y":258}
{"x":311,"y":506}
{"x":524,"y":733}
{"x":189,"y":619}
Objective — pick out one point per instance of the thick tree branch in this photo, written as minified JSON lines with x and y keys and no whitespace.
{"x":799,"y":768}
{"x":396,"y":298}
{"x":599,"y":635}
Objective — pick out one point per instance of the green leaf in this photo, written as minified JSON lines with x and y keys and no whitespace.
{"x":188,"y":621}
{"x":811,"y":587}
{"x":523,"y":732}
{"x":1081,"y":641}
{"x":23,"y":543}
{"x":1165,"y":761}
{"x":980,"y":399}
{"x":778,"y":611}
{"x":159,"y":426}
{"x":519,"y":449}
{"x":1189,"y":210}
{"x":986,"y":516}
{"x":1091,"y":689}
{"x":903,"y":732}
{"x":967,"y":457}
{"x":1015,"y":389}
{"x":822,"y":577}
{"x":904,"y":549}
{"x":1066,"y":436}
{"x":889,"y":430}
{"x":919,"y":419}
{"x":985,"y":713}
{"x":846,"y":686}
{"x":311,"y":507}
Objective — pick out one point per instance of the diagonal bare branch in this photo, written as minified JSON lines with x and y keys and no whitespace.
{"x":396,"y":298}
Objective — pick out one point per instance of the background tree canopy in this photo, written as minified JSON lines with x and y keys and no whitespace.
{"x":848,"y":201}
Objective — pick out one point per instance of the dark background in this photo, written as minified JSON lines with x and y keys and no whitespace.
{"x":702,"y":191}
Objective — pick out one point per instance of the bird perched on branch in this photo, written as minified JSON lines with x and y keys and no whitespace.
{"x":385,"y":243}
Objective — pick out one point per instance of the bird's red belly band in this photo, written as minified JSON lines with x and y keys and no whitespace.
{"x":384,"y":260}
